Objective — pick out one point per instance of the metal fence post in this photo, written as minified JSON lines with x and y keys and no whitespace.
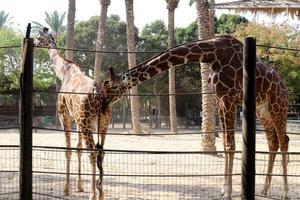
{"x":26,"y":81}
{"x":249,"y":117}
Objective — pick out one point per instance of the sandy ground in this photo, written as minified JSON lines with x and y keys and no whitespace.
{"x":189,"y":174}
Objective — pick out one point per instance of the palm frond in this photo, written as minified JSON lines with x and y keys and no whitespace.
{"x":191,"y":2}
{"x":269,"y":7}
{"x":5,"y":19}
{"x":36,"y":26}
{"x":55,"y":21}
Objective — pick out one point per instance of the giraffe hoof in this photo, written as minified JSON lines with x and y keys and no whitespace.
{"x":226,"y":193}
{"x":66,"y":192}
{"x":101,"y":196}
{"x":92,"y":196}
{"x":285,"y":196}
{"x":79,"y":187}
{"x":264,"y":191}
{"x":222,"y":192}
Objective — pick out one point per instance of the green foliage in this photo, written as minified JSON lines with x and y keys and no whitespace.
{"x":54,"y":20}
{"x":5,"y":19}
{"x":44,"y":76}
{"x":285,"y":61}
{"x":153,"y":38}
{"x":10,"y":59}
{"x":191,"y":73}
{"x":227,"y":23}
{"x":191,"y":2}
{"x":115,"y":40}
{"x":188,"y":34}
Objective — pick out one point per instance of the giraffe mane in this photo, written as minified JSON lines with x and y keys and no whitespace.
{"x":184,"y":44}
{"x":71,"y":61}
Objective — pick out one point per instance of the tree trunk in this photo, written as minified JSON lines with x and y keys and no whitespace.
{"x":134,"y":100}
{"x":70,"y":29}
{"x":171,"y":6}
{"x":100,"y":38}
{"x":158,"y":104}
{"x":206,"y":29}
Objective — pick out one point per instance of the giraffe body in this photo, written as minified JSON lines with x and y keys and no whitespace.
{"x":224,"y":54}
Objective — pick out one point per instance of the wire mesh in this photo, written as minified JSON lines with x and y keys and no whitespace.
{"x":136,"y":174}
{"x":142,"y":174}
{"x":276,"y":187}
{"x":9,"y":172}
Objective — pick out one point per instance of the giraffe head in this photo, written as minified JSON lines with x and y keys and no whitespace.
{"x":113,"y":81}
{"x":114,"y":85}
{"x":45,"y":39}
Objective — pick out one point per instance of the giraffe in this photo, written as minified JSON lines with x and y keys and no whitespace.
{"x":80,"y":99}
{"x":224,"y":54}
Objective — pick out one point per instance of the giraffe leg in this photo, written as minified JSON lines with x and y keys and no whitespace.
{"x":227,"y":113}
{"x":65,"y":122}
{"x":226,"y":155}
{"x":269,"y":173}
{"x":226,"y":158}
{"x":89,"y":142}
{"x":271,"y":135}
{"x":228,"y":173}
{"x":285,"y":190}
{"x":100,"y":157}
{"x":283,"y":145}
{"x":79,"y":146}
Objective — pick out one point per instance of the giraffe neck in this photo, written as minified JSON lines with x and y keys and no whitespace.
{"x":217,"y":51}
{"x":60,"y":65}
{"x":57,"y":63}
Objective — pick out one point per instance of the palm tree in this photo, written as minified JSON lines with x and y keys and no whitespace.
{"x":205,"y":16}
{"x":70,"y":29}
{"x":134,"y":100}
{"x":171,"y":6}
{"x":5,"y":19}
{"x":54,"y":20}
{"x":100,"y":38}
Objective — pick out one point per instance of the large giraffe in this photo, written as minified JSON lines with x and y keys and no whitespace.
{"x":79,"y":99}
{"x":225,"y":55}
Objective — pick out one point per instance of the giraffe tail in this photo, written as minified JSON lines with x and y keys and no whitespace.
{"x":100,"y":156}
{"x":287,"y":156}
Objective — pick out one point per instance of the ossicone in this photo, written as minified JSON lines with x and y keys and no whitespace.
{"x":113,"y":74}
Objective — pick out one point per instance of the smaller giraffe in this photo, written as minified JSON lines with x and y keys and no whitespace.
{"x":80,"y":99}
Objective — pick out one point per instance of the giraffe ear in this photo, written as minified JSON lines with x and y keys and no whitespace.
{"x":113,"y":75}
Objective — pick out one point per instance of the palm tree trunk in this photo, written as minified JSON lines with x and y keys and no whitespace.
{"x":134,"y":100}
{"x":70,"y":28}
{"x":206,"y":29}
{"x":171,"y":6}
{"x":100,"y":38}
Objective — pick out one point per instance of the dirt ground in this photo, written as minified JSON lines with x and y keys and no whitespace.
{"x":187,"y":174}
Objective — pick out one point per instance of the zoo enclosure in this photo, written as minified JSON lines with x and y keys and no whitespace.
{"x":25,"y":127}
